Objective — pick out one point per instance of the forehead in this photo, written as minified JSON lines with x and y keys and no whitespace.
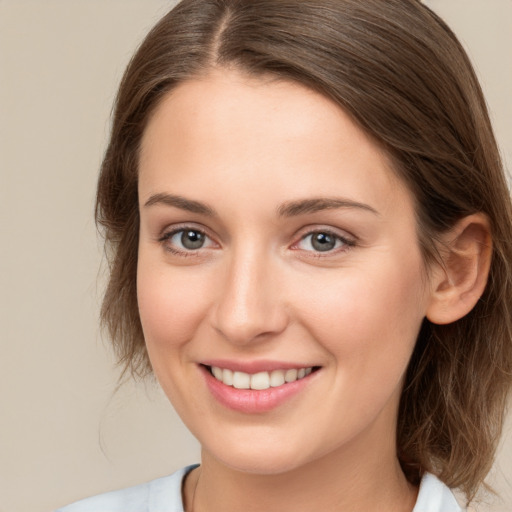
{"x":227,"y":126}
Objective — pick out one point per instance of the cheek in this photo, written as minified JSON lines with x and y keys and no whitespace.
{"x":171,"y":305}
{"x":368,"y":318}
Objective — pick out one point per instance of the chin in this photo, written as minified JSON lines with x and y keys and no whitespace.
{"x":260,"y":465}
{"x":259,"y":456}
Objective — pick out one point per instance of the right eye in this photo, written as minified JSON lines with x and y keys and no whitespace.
{"x":186,"y":240}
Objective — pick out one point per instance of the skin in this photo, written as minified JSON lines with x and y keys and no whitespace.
{"x":258,"y":290}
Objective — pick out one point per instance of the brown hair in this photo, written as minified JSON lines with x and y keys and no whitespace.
{"x":403,"y":76}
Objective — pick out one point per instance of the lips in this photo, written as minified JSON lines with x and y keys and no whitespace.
{"x":255,"y":391}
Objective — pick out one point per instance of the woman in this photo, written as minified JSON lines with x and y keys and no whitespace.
{"x":310,"y":233}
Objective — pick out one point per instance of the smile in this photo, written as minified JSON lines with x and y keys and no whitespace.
{"x":259,"y":386}
{"x":261,"y":380}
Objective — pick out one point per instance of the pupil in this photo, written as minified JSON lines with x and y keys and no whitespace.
{"x":192,"y":239}
{"x":323,"y":242}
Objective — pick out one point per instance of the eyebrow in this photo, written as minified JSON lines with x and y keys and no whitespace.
{"x":300,"y":207}
{"x":182,"y":203}
{"x":288,"y":209}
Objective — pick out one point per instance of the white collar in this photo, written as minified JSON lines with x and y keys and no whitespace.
{"x":435,"y":496}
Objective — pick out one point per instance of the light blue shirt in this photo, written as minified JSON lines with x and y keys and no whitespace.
{"x":164,"y":495}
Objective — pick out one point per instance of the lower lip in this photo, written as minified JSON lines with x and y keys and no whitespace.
{"x":252,"y":401}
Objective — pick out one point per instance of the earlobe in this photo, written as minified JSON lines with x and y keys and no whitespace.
{"x":459,"y":282}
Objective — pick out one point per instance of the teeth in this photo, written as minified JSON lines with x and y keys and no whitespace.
{"x":227,"y":376}
{"x":241,"y":380}
{"x":217,"y":372}
{"x":261,"y":380}
{"x":277,"y":378}
{"x":291,"y":375}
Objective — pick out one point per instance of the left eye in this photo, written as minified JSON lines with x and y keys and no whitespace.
{"x":322,"y":241}
{"x":188,"y":239}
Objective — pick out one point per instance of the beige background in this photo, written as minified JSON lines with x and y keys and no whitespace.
{"x":64,"y":434}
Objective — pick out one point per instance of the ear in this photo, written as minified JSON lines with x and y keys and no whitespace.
{"x":460,"y":280}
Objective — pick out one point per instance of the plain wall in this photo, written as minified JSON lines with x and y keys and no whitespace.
{"x":64,"y":433}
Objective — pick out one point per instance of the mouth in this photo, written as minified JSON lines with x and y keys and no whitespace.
{"x":262,"y":380}
{"x":256,"y":387}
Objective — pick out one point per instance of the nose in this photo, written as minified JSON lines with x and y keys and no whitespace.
{"x":250,"y":305}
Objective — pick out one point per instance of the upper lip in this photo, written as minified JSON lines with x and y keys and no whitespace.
{"x":252,"y":367}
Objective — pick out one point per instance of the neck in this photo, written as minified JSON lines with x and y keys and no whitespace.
{"x":340,"y":481}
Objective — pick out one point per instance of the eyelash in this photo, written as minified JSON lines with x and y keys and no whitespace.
{"x":346,"y":243}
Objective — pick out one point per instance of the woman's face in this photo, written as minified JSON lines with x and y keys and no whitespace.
{"x":275,"y":242}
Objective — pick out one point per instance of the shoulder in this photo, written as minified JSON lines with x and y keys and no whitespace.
{"x":160,"y":495}
{"x":435,"y":496}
